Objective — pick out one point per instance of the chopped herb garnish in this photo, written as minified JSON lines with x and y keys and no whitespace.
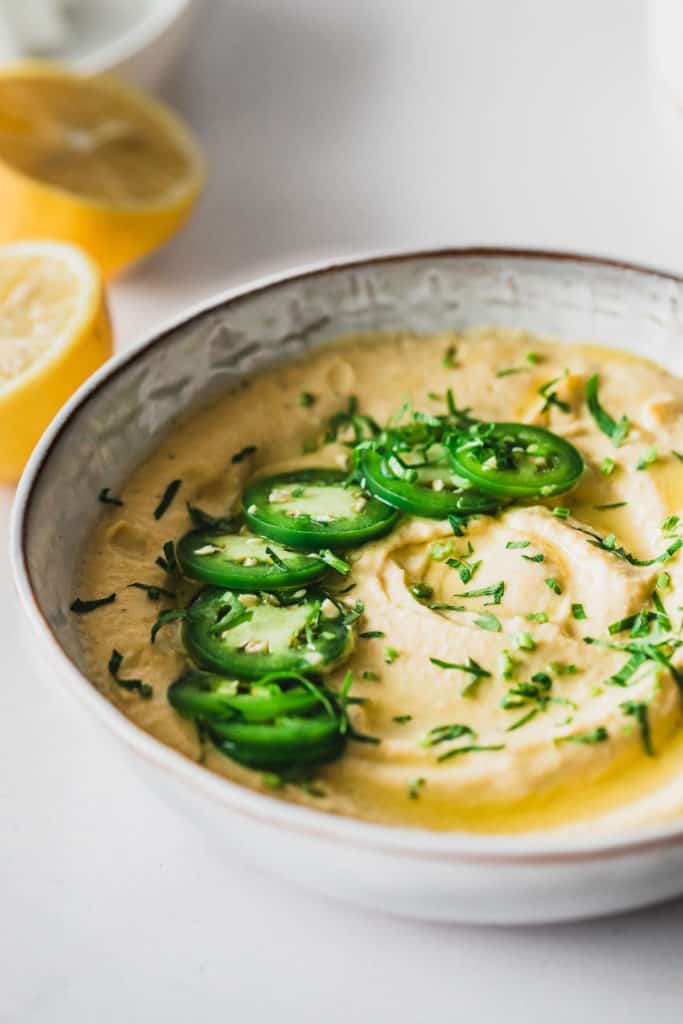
{"x":106,"y":497}
{"x":523,"y":720}
{"x":473,"y":748}
{"x":203,"y":520}
{"x":663,"y":581}
{"x":448,"y":358}
{"x":553,"y":584}
{"x":488,"y":621}
{"x":533,"y":357}
{"x":609,"y":543}
{"x":472,"y":668}
{"x":306,"y":399}
{"x":402,"y":719}
{"x":639,"y":710}
{"x":446,"y":733}
{"x":372,"y":634}
{"x":414,"y":788}
{"x":678,"y":455}
{"x":550,"y":396}
{"x":164,"y":619}
{"x":440,"y":550}
{"x":511,"y":370}
{"x":495,"y":590}
{"x":167,"y":497}
{"x":465,"y":569}
{"x":153,"y":592}
{"x":524,"y":642}
{"x":561,"y":513}
{"x":598,"y":735}
{"x":647,"y":458}
{"x":607,"y":466}
{"x":243,"y":453}
{"x":168,"y":562}
{"x":539,"y":617}
{"x":334,"y":562}
{"x":535,"y":558}
{"x":80,"y":607}
{"x":133,"y":685}
{"x":363,"y":427}
{"x":506,"y":664}
{"x":670,"y":523}
{"x":514,"y":545}
{"x":422,"y":591}
{"x":614,"y":504}
{"x":616,"y":430}
{"x":391,"y":654}
{"x":578,"y":611}
{"x":370,"y":676}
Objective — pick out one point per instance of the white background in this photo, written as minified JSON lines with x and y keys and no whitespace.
{"x":333,"y":127}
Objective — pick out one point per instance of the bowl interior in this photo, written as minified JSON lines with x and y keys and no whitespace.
{"x":117,"y":419}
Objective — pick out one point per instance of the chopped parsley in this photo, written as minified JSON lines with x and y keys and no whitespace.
{"x":523,"y":720}
{"x":168,"y":561}
{"x":597,"y":735}
{"x":153,"y":592}
{"x":402,"y":719}
{"x":607,"y":466}
{"x":578,"y":611}
{"x":448,"y":358}
{"x":473,"y":748}
{"x":616,"y":430}
{"x":524,"y":642}
{"x":446,"y":733}
{"x":614,"y":504}
{"x":465,"y":569}
{"x":372,"y":634}
{"x":535,"y":558}
{"x":370,"y":676}
{"x":670,"y":524}
{"x":164,"y":619}
{"x":306,"y":399}
{"x":510,"y":370}
{"x":550,"y":396}
{"x":638,"y":709}
{"x":334,"y":562}
{"x":80,"y":607}
{"x":514,"y":545}
{"x":495,"y":590}
{"x":166,"y":498}
{"x":533,"y":358}
{"x":132,"y":685}
{"x":488,"y":621}
{"x":560,"y":512}
{"x":106,"y":497}
{"x":647,"y":458}
{"x":391,"y":654}
{"x":663,"y":581}
{"x":422,"y":591}
{"x":553,"y":584}
{"x":506,"y":664}
{"x":243,"y":454}
{"x":472,"y":668}
{"x":414,"y":788}
{"x":539,"y":617}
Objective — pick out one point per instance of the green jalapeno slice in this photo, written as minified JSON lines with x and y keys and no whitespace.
{"x":245,"y":562}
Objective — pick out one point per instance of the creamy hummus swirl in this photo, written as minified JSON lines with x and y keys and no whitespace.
{"x":510,"y":602}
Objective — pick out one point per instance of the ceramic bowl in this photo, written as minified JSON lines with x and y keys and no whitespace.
{"x":121,"y":412}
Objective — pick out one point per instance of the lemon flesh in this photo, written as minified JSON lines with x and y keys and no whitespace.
{"x":90,"y":161}
{"x":54,"y":332}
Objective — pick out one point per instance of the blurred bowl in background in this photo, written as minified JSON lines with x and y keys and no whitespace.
{"x":138,"y":40}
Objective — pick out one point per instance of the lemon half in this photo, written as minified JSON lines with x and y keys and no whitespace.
{"x":54,"y":332}
{"x":90,"y":161}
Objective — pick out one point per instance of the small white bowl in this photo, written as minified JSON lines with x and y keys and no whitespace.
{"x":124,"y":409}
{"x":139,"y":40}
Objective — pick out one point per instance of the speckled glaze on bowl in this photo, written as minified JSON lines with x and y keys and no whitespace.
{"x":120,"y":413}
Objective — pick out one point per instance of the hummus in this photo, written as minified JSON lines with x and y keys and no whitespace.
{"x":574,"y":753}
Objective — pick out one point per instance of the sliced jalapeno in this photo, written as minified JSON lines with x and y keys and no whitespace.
{"x":515,"y":460}
{"x":422,"y":483}
{"x":286,"y":744}
{"x":277,"y":722}
{"x":313,"y":509}
{"x":250,"y":635}
{"x":245,"y":562}
{"x":211,"y":697}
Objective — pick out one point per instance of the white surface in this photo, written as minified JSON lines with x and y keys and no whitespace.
{"x":335,"y":127}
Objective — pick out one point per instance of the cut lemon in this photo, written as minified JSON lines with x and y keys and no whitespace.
{"x":54,"y":332}
{"x":90,"y":161}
